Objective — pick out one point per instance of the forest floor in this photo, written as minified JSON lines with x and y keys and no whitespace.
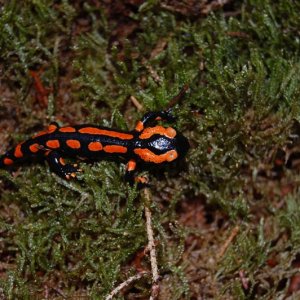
{"x":226,"y":220}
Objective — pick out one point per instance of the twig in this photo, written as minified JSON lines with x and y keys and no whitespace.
{"x":59,"y":292}
{"x":153,"y":260}
{"x":151,"y":246}
{"x":46,"y":292}
{"x":178,"y":97}
{"x":124,"y":284}
{"x":137,"y":104}
{"x":244,"y":280}
{"x":233,"y":234}
{"x":213,"y":6}
{"x":160,"y":46}
{"x":152,"y":72}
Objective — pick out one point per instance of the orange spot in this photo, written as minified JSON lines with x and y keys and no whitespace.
{"x":54,"y":144}
{"x":148,"y":132}
{"x":40,"y":134}
{"x":139,"y":126}
{"x":74,"y":144}
{"x":95,"y":146}
{"x":131,"y":165}
{"x":52,"y":127}
{"x":34,"y":148}
{"x":67,"y":129}
{"x":18,"y":152}
{"x":115,"y":149}
{"x":170,"y":132}
{"x":62,"y":161}
{"x":8,"y":161}
{"x":149,"y":156}
{"x":171,"y":155}
{"x":97,"y":131}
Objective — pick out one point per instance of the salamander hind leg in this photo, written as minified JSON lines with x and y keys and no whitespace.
{"x":59,"y":167}
{"x":5,"y":161}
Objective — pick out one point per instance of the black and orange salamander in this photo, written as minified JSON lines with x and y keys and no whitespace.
{"x":155,"y":145}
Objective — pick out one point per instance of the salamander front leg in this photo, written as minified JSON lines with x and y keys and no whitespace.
{"x":130,"y":169}
{"x":58,"y":165}
{"x":129,"y":175}
{"x":154,"y":116}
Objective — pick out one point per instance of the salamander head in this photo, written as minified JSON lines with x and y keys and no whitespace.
{"x":181,"y":145}
{"x":162,"y":145}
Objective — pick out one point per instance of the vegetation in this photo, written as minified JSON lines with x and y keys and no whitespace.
{"x":226,"y":222}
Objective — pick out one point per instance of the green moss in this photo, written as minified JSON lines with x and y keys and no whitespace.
{"x":242,"y":67}
{"x":290,"y":218}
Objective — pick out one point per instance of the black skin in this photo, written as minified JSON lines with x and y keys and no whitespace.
{"x":158,"y":144}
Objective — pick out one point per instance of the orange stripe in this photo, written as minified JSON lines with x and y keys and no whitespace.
{"x":40,"y":134}
{"x":148,"y":132}
{"x":131,"y":165}
{"x":51,"y":128}
{"x":170,"y":132}
{"x":95,"y":146}
{"x":47,"y":152}
{"x":62,"y":161}
{"x":139,"y":126}
{"x":34,"y":148}
{"x":18,"y":152}
{"x":149,"y":156}
{"x":8,"y":161}
{"x":93,"y":130}
{"x":67,"y":129}
{"x":74,"y":144}
{"x":54,"y":144}
{"x":115,"y":149}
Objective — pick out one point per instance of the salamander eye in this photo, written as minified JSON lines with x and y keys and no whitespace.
{"x":172,"y":155}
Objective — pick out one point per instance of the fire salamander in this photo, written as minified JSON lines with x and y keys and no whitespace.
{"x":151,"y":145}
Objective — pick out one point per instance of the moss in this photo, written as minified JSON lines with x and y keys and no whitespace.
{"x":241,"y":63}
{"x":289,"y":218}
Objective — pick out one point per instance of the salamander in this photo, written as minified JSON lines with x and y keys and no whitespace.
{"x":154,"y":145}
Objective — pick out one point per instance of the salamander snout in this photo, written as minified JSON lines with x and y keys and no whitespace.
{"x":181,"y":145}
